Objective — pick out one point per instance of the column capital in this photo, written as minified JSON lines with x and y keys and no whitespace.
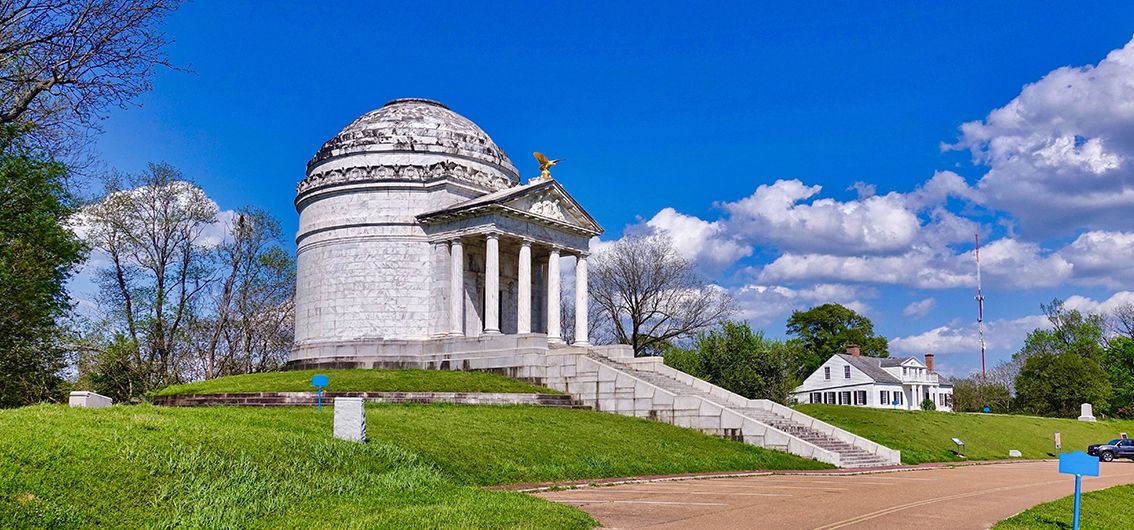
{"x":583,"y":255}
{"x":526,"y":241}
{"x":493,"y":234}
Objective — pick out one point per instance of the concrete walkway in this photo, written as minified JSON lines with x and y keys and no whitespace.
{"x":957,"y":498}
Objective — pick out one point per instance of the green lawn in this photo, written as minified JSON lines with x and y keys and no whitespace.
{"x":926,"y":436}
{"x":231,"y":467}
{"x":1101,"y":510}
{"x":361,"y":381}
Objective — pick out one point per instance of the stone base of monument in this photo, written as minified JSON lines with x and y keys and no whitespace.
{"x":350,"y":419}
{"x":518,"y":356}
{"x":88,"y":400}
{"x":1086,"y":413}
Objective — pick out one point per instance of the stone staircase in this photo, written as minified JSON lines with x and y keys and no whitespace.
{"x":850,"y":456}
{"x":610,"y":379}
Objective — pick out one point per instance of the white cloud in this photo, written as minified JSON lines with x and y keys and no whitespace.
{"x":1088,"y":305}
{"x":877,"y":224}
{"x":921,"y":267}
{"x":964,"y":338}
{"x":770,"y":304}
{"x":1059,"y":153}
{"x":920,"y":308}
{"x":1102,"y":258}
{"x":700,"y":241}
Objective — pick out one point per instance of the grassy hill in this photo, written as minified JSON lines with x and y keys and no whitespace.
{"x":364,"y":380}
{"x":227,"y":467}
{"x":925,"y":436}
{"x":1101,"y":510}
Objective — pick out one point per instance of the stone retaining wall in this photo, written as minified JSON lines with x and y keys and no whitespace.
{"x":296,"y":399}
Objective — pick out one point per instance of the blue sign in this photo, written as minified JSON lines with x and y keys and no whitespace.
{"x":986,"y":410}
{"x":319,"y":381}
{"x":895,"y":403}
{"x":1078,"y":463}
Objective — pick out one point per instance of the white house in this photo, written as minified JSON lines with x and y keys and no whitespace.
{"x":894,"y":383}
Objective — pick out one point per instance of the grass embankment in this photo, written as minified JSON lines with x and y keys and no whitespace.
{"x":1101,"y":510}
{"x":926,"y":436}
{"x":230,"y":467}
{"x":363,"y":380}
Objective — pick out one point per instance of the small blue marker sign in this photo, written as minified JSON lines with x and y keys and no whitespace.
{"x":320,"y":382}
{"x":1079,"y":464}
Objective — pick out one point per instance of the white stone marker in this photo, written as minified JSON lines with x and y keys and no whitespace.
{"x":88,"y":400}
{"x":350,"y":419}
{"x":1085,"y":412}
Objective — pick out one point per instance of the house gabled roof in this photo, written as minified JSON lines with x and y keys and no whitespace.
{"x":872,"y":367}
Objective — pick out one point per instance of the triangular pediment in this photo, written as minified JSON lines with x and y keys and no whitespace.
{"x":553,"y":203}
{"x":539,"y":201}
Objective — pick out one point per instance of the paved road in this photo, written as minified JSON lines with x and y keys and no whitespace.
{"x":957,"y":498}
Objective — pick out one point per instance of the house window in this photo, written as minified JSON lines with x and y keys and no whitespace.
{"x":829,"y":398}
{"x":860,"y":397}
{"x":904,"y":370}
{"x":884,"y":397}
{"x":844,"y":398}
{"x":816,"y":397}
{"x":826,"y":372}
{"x":846,"y":372}
{"x":898,"y":397}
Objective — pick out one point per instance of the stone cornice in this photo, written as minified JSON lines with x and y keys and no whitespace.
{"x":447,"y":169}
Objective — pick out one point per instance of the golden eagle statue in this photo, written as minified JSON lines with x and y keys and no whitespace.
{"x":545,"y":164}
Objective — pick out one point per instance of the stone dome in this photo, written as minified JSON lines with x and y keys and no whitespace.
{"x":411,"y":139}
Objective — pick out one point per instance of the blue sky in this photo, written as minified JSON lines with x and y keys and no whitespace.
{"x":799,"y":153}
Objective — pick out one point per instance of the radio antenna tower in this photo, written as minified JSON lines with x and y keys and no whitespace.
{"x":980,"y":307}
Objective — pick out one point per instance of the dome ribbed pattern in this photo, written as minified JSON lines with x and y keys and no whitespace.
{"x":413,"y":125}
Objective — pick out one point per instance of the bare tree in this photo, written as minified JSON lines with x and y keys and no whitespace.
{"x":250,"y":329}
{"x":1121,"y":321}
{"x":597,"y":328}
{"x":63,"y":62}
{"x":650,"y":294}
{"x":153,"y":236}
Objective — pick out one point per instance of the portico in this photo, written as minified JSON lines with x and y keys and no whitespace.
{"x":504,"y":258}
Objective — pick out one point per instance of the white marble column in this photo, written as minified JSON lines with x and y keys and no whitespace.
{"x":524,"y":300}
{"x":492,"y":284}
{"x":456,"y":288}
{"x":581,"y":333}
{"x":554,"y":332}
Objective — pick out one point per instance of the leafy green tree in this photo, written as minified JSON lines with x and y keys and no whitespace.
{"x":973,"y":394}
{"x":1118,"y":361}
{"x":37,"y":255}
{"x":1055,"y":385}
{"x":1071,"y":332}
{"x":825,"y":330}
{"x":740,"y":360}
{"x":928,"y":404}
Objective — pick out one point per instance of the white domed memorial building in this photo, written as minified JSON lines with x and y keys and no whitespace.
{"x":420,"y":246}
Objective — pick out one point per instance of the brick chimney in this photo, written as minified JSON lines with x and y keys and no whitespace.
{"x":854,"y":350}
{"x":929,"y":362}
